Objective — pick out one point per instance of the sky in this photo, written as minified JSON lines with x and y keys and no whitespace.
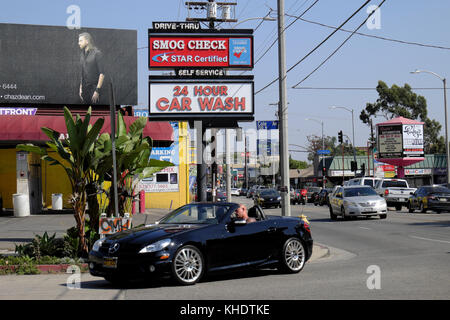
{"x":360,"y":63}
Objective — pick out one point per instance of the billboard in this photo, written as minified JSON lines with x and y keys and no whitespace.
{"x":413,"y":140}
{"x":165,"y":180}
{"x":183,"y":100}
{"x":400,"y":141}
{"x":169,"y":51}
{"x":55,"y":65}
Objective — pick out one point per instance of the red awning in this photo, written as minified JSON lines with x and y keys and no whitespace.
{"x":28,"y":128}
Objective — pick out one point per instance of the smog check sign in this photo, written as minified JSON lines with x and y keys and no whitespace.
{"x":200,"y":51}
{"x":200,"y":99}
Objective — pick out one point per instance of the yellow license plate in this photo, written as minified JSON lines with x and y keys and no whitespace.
{"x":110,"y":262}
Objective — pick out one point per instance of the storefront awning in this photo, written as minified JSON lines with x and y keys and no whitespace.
{"x":28,"y":128}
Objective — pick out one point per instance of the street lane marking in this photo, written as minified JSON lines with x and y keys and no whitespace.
{"x":443,"y":241}
{"x":364,"y":228}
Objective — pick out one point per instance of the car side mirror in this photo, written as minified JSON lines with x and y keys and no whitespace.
{"x":411,"y":193}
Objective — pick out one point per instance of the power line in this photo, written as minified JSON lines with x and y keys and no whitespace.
{"x":342,"y":44}
{"x":297,"y":18}
{"x":313,"y":50}
{"x":373,"y":36}
{"x":355,"y":88}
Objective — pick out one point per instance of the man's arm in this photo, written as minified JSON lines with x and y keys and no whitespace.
{"x":95,"y":96}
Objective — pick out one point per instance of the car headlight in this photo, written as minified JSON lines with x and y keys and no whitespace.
{"x":97,"y":245}
{"x":279,"y":198}
{"x":157,"y":246}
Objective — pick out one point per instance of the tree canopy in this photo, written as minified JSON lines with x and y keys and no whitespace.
{"x":403,"y":102}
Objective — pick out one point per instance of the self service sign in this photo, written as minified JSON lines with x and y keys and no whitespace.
{"x":200,"y":51}
{"x":184,"y":100}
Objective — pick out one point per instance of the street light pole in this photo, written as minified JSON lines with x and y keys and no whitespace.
{"x":353,"y":130}
{"x":282,"y":113}
{"x":323,"y":148}
{"x":447,"y":151}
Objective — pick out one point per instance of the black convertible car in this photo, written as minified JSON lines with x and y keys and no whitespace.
{"x":203,"y":237}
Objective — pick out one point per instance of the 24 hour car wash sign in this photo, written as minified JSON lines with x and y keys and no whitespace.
{"x":183,"y":100}
{"x":200,"y":51}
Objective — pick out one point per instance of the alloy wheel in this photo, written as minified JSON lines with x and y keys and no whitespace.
{"x":188,"y":265}
{"x":294,"y":255}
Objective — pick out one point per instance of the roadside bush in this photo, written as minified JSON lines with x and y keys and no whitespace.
{"x":44,"y":245}
{"x":50,"y":246}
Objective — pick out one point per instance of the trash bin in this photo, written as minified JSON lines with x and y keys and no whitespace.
{"x":21,"y":203}
{"x":57,"y":201}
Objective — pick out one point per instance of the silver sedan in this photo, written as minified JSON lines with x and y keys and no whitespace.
{"x":353,"y":201}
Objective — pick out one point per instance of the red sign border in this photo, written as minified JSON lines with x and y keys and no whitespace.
{"x":199,"y":36}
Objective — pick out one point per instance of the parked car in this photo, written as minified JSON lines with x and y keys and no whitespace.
{"x":363,"y":181}
{"x":395,"y":191}
{"x":294,"y":196}
{"x":354,"y":201}
{"x":435,"y":198}
{"x":201,"y":238}
{"x":311,"y":193}
{"x":251,"y":192}
{"x":322,"y":197}
{"x":267,"y":198}
{"x":221,"y":195}
{"x":243,"y":191}
{"x":235,"y":191}
{"x":303,"y":196}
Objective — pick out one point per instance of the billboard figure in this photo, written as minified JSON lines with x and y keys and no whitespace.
{"x":92,"y":69}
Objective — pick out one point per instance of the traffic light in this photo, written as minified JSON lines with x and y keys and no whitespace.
{"x":340,"y":137}
{"x":363,"y":169}
{"x":354,"y":166}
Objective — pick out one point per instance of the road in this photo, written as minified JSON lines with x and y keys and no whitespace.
{"x":406,"y":256}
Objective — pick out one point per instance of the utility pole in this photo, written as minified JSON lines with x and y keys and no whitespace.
{"x":282,"y":112}
{"x":228,"y":162}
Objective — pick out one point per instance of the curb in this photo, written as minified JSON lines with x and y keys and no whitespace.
{"x":320,"y":251}
{"x":51,"y":268}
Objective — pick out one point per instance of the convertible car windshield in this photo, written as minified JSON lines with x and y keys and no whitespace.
{"x":196,"y":214}
{"x":359,"y":192}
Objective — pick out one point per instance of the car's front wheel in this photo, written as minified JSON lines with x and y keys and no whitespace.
{"x":188,"y":265}
{"x":293,"y":256}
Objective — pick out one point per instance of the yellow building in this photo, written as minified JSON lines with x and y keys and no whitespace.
{"x":26,"y":173}
{"x":173,"y":179}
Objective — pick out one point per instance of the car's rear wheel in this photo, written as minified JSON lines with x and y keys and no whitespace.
{"x":293,"y":256}
{"x":188,"y":265}
{"x":410,"y":208}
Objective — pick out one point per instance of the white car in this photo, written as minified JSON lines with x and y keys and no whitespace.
{"x":354,"y":201}
{"x":235,"y":191}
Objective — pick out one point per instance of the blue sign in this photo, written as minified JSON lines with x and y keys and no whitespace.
{"x":240,"y":51}
{"x":323,"y":151}
{"x":267,"y":125}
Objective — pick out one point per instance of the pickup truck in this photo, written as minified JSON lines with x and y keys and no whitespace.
{"x":396,"y":192}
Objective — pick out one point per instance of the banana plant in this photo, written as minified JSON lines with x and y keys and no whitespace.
{"x":132,"y":159}
{"x":76,"y":155}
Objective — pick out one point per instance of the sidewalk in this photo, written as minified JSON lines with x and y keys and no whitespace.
{"x":15,"y":230}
